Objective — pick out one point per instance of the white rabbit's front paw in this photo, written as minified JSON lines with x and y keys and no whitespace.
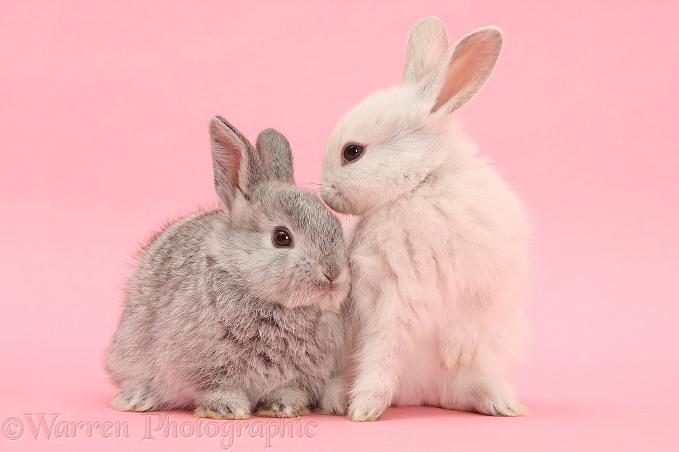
{"x":457,"y":352}
{"x":367,"y":408}
{"x":334,"y":399}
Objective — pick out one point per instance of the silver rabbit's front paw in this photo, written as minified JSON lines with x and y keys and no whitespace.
{"x":224,"y":404}
{"x":367,"y":408}
{"x":283,"y":402}
{"x":220,"y":412}
{"x":280,"y":409}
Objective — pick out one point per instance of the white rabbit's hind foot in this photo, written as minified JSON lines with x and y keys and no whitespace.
{"x":495,"y":398}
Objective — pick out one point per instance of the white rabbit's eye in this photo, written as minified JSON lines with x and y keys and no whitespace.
{"x":281,"y":238}
{"x":352,"y":152}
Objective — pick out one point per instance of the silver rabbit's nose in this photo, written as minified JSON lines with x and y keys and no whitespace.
{"x":331,"y":273}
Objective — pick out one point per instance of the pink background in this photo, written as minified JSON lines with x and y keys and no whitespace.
{"x":103,"y":113}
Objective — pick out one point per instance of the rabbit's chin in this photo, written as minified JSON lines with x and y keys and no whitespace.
{"x":330,"y":300}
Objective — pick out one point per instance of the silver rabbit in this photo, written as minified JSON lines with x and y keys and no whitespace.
{"x":236,"y":309}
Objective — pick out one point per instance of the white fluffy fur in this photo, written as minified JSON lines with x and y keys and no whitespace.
{"x":438,"y":242}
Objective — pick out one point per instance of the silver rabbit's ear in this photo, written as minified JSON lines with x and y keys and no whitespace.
{"x":276,"y":155}
{"x":427,"y":43}
{"x":235,"y":162}
{"x":463,"y":69}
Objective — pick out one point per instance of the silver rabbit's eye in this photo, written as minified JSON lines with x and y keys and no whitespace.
{"x":352,"y":152}
{"x":281,"y":238}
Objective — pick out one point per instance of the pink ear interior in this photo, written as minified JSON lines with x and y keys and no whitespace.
{"x":229,"y":162}
{"x":226,"y":159}
{"x":470,"y":66}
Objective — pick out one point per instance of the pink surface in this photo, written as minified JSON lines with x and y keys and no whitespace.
{"x":104,"y":110}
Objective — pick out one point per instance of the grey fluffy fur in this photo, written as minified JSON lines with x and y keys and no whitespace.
{"x":219,"y":319}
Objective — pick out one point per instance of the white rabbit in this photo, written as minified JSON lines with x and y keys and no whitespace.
{"x":438,"y":246}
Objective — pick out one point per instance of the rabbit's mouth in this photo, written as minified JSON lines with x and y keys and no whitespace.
{"x":333,"y":198}
{"x":331,"y":294}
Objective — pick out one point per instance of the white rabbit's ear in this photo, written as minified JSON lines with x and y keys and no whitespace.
{"x":465,"y":68}
{"x":235,"y":162}
{"x":276,"y":156}
{"x":427,"y":43}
